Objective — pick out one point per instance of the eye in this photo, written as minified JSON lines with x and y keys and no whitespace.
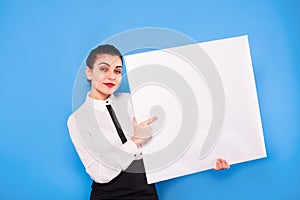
{"x":103,"y":69}
{"x":118,"y":71}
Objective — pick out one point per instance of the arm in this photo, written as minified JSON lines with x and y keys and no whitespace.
{"x":98,"y":171}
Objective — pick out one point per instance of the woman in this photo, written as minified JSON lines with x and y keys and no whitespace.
{"x":112,"y":158}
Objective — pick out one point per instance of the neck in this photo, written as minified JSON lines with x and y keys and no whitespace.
{"x":99,"y":96}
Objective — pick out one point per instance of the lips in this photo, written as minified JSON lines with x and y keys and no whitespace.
{"x":110,"y":85}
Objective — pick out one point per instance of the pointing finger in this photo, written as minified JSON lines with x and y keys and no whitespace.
{"x":149,"y":121}
{"x":134,"y":121}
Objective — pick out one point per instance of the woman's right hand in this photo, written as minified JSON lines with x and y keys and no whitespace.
{"x":142,"y":131}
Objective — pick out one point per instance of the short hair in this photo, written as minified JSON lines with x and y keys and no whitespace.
{"x":102,"y":49}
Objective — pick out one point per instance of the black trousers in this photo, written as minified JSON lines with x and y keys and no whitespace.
{"x":125,"y":186}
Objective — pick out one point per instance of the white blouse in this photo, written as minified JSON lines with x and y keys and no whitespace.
{"x":97,"y":141}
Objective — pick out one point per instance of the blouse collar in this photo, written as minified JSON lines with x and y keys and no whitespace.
{"x":100,"y":104}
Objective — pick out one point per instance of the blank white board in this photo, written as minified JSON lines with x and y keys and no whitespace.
{"x":206,"y":101}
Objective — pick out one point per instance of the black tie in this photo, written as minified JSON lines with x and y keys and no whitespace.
{"x":116,"y":123}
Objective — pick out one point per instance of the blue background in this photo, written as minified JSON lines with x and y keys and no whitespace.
{"x":43,"y":43}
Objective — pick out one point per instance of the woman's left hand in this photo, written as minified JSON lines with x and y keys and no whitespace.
{"x":221,"y":164}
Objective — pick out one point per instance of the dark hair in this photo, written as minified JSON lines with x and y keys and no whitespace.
{"x":102,"y":49}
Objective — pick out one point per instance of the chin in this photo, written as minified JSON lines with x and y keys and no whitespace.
{"x":107,"y":91}
{"x":110,"y":92}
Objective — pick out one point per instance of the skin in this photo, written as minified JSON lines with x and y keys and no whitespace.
{"x":106,"y":69}
{"x":221,"y":164}
{"x":106,"y":77}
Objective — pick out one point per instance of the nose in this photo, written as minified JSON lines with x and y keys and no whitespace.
{"x":111,"y":75}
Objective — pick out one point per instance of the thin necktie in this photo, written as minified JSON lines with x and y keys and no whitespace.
{"x":116,"y":123}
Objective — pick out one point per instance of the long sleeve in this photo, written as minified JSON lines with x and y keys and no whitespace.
{"x":97,"y":170}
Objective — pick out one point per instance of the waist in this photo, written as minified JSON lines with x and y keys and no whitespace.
{"x":129,"y":183}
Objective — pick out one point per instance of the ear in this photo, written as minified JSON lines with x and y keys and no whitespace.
{"x":88,"y":73}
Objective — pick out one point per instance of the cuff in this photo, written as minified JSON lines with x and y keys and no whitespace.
{"x":131,"y":147}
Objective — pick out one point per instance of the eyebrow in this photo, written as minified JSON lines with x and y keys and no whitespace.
{"x":105,"y":63}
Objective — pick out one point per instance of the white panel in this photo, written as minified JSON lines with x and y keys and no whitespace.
{"x":241,"y":137}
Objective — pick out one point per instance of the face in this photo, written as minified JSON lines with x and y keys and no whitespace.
{"x":105,"y":76}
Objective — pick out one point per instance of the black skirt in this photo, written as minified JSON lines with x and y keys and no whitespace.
{"x":125,"y":186}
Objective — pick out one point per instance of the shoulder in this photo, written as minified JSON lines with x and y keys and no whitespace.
{"x":78,"y":112}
